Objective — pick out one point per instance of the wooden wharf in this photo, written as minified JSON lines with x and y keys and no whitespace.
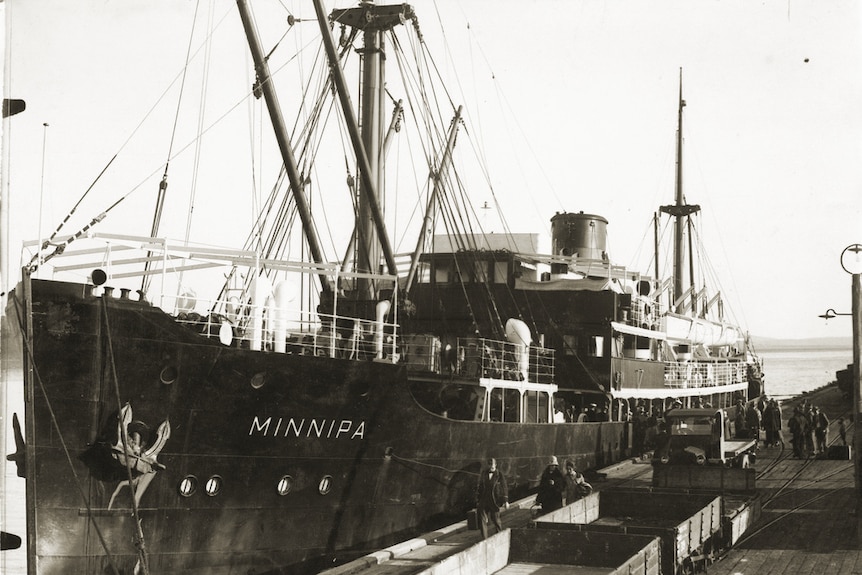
{"x":807,"y":522}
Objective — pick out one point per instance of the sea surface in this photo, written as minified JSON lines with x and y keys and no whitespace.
{"x":792,"y":371}
{"x":788,"y":373}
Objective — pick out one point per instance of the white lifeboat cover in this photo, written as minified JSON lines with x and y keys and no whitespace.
{"x":517,"y":332}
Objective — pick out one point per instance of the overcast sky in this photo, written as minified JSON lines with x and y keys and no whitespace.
{"x":773,"y":125}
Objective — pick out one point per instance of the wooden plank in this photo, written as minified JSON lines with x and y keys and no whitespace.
{"x":787,"y":561}
{"x":773,"y":559}
{"x":848,"y":562}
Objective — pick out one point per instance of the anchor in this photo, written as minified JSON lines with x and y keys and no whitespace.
{"x":141,"y":461}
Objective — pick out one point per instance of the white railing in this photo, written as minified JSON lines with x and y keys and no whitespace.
{"x":259,"y":318}
{"x":694,"y":374}
{"x":480,"y":357}
{"x":265,"y":328}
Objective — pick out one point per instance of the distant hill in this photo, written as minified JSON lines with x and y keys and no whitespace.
{"x":771,"y":343}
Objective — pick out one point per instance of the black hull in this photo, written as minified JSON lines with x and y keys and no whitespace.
{"x":366,"y":464}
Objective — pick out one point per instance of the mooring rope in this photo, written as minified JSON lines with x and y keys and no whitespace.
{"x":55,"y":424}
{"x":124,"y":436}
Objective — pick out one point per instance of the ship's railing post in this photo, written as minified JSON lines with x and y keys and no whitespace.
{"x":164,"y":266}
{"x":395,"y":323}
{"x":333,"y":327}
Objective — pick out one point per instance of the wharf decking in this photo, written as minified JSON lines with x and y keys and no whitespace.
{"x":808,"y":521}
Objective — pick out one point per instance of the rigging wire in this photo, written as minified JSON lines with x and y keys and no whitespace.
{"x":61,"y":246}
{"x":163,"y":185}
{"x":122,"y":147}
{"x":124,"y":437}
{"x":28,"y":344}
{"x":457,"y":218}
{"x":200,"y":124}
{"x":42,"y":177}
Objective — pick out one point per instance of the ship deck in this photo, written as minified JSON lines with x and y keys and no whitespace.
{"x":807,"y":524}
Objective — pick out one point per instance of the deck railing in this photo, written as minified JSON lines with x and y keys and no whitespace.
{"x":259,"y":317}
{"x":266,"y":328}
{"x":694,"y":374}
{"x":481,"y":357}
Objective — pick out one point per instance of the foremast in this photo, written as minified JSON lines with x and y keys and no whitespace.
{"x":265,"y":87}
{"x":371,"y":235}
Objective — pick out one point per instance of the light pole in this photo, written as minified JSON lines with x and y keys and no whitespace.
{"x":851,"y":262}
{"x":830,"y":313}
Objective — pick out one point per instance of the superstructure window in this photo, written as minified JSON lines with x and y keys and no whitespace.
{"x":501,"y":272}
{"x":596,"y":346}
{"x":537,"y":407}
{"x":442,"y":272}
{"x":505,"y":405}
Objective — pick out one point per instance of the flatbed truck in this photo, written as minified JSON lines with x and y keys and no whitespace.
{"x":699,"y":436}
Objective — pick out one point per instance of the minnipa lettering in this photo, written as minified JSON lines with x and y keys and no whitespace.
{"x":318,"y":428}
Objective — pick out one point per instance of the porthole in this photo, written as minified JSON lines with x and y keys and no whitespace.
{"x":168,"y":375}
{"x":258,"y":379}
{"x":325,"y":485}
{"x":285,"y":484}
{"x":188,"y":485}
{"x":213,"y":485}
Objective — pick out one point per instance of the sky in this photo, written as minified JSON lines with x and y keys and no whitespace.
{"x":574,"y":105}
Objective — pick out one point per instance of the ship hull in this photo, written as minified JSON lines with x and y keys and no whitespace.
{"x":312,"y":459}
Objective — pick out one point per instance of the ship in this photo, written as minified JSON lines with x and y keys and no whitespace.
{"x":231,"y":428}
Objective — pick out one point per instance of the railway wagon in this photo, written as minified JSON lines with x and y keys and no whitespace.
{"x":688,"y":525}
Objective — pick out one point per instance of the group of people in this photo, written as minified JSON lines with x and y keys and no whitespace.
{"x":591,"y":412}
{"x":492,"y":492}
{"x":749,"y":419}
{"x":809,"y":428}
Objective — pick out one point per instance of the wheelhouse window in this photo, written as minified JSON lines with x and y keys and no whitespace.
{"x":537,"y":407}
{"x":442,"y":272}
{"x":423,"y":273}
{"x":501,"y":272}
{"x":505,"y":405}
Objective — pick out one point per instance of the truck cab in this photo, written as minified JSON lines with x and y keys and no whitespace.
{"x":699,"y":437}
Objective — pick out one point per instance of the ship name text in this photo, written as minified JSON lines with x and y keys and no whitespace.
{"x":319,"y":428}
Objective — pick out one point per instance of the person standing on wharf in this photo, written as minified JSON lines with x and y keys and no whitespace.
{"x":491,"y":493}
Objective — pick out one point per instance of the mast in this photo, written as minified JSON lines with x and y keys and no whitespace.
{"x":373,"y":20}
{"x":281,"y":136}
{"x":432,"y":201}
{"x":679,"y":211}
{"x":655,"y":230}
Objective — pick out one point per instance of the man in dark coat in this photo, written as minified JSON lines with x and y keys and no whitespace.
{"x":772,"y":423}
{"x":491,"y":493}
{"x":800,"y":430}
{"x":753,"y":421}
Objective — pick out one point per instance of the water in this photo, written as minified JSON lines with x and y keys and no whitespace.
{"x":791,"y":372}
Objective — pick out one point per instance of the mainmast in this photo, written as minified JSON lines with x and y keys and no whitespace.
{"x":680,"y":211}
{"x":373,"y":21}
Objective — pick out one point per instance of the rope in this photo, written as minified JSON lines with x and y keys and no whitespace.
{"x":139,"y":532}
{"x":163,"y":184}
{"x":56,"y":426}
